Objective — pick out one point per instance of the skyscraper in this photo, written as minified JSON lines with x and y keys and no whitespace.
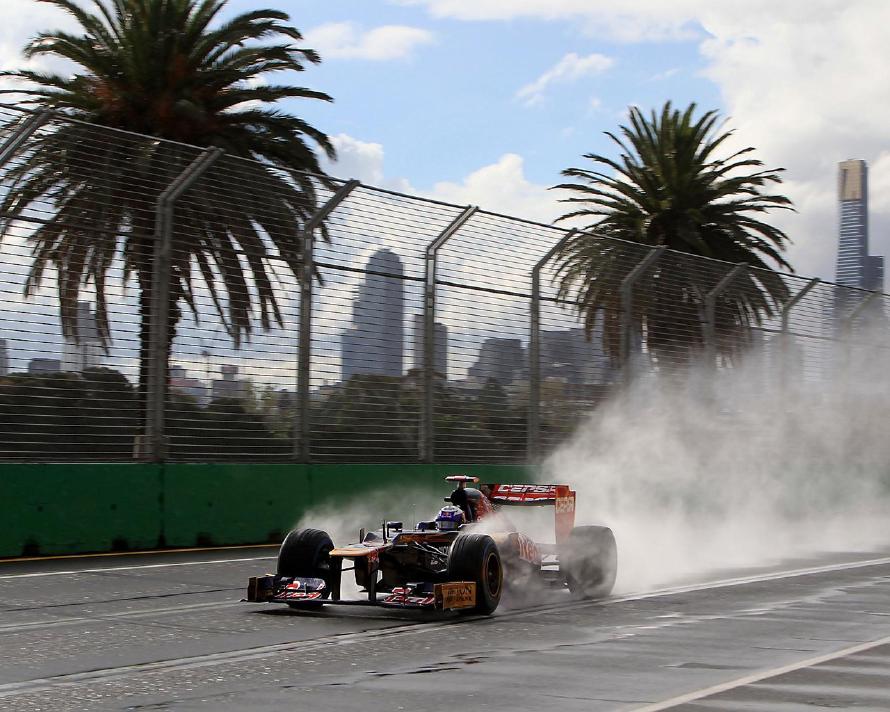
{"x":855,"y":267}
{"x":85,"y":349}
{"x":500,"y":359}
{"x":4,"y":358}
{"x":375,"y":343}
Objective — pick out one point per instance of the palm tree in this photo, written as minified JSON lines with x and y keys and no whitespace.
{"x":172,"y":69}
{"x":669,"y":188}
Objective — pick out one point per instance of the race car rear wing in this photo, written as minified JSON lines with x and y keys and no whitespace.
{"x":560,"y":497}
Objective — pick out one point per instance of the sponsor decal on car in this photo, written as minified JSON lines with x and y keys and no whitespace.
{"x":402,"y":596}
{"x":565,"y":505}
{"x":456,"y":594}
{"x":528,"y":550}
{"x":523,"y":493}
{"x":292,"y":594}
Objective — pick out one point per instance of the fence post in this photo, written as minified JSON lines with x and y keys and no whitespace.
{"x":857,"y":310}
{"x":786,"y":326}
{"x":533,"y":441}
{"x":627,"y":287}
{"x":427,"y":435}
{"x":793,"y":302}
{"x":159,"y":333}
{"x":302,"y":428}
{"x":21,"y":134}
{"x":711,"y":312}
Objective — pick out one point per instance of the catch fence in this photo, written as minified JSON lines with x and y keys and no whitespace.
{"x":218,"y":309}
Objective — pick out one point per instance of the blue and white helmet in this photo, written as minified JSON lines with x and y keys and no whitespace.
{"x":449,"y":518}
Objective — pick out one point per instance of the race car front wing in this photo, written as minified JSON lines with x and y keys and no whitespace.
{"x":453,"y":595}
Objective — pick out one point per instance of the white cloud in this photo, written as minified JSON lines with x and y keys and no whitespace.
{"x":667,"y":74}
{"x":502,"y":187}
{"x":357,"y":159}
{"x":345,"y":40}
{"x":628,"y":21}
{"x":800,"y":81}
{"x":21,"y":21}
{"x":569,"y":69}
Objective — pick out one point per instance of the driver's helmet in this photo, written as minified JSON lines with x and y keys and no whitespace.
{"x":449,"y":518}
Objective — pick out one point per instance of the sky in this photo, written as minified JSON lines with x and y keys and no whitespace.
{"x":485,"y":101}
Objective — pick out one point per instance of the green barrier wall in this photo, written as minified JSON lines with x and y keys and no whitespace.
{"x":78,"y":508}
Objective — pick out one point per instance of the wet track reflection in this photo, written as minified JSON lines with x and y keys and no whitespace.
{"x":167,"y":631}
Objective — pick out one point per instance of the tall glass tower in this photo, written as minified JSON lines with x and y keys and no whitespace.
{"x":375,"y":343}
{"x":855,"y":267}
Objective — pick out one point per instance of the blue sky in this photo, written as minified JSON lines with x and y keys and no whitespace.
{"x":485,"y":101}
{"x":450,"y":105}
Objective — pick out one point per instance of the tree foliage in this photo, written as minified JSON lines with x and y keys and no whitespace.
{"x":175,"y":70}
{"x":671,"y":187}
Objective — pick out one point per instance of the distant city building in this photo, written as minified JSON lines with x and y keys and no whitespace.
{"x":440,"y":360}
{"x":568,"y":354}
{"x":84,"y":350}
{"x":503,"y":360}
{"x":44,"y":366}
{"x":180,"y":382}
{"x":855,"y":267}
{"x":4,"y":358}
{"x":375,"y":343}
{"x":229,"y":386}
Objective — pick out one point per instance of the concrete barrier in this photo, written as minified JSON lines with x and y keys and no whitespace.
{"x":80,"y":508}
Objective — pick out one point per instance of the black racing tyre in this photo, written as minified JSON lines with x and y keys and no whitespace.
{"x":589,"y":561}
{"x":475,"y":557}
{"x":306,"y":553}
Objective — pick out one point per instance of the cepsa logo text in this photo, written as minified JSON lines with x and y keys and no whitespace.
{"x":526,"y":489}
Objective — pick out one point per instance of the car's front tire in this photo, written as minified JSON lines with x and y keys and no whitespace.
{"x":475,"y":557}
{"x":306,"y":553}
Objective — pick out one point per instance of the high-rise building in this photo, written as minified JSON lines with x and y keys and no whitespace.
{"x":44,"y":366}
{"x":4,"y":358}
{"x":84,"y":349}
{"x":855,"y":267}
{"x":440,"y":359}
{"x":569,"y":355}
{"x":375,"y":343}
{"x":503,"y":360}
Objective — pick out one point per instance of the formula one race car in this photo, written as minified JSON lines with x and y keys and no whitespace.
{"x":462,"y":560}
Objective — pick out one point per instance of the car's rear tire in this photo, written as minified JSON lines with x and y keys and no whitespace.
{"x":589,"y":561}
{"x":306,"y":553}
{"x":475,"y":557}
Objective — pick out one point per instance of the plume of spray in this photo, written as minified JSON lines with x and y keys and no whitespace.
{"x":717,"y":469}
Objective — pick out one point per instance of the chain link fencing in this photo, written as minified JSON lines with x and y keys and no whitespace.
{"x":164,"y":302}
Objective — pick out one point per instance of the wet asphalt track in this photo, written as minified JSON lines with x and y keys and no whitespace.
{"x":166,"y":632}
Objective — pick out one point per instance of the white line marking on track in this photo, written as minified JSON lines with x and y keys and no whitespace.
{"x":758,"y":676}
{"x":110,"y":617}
{"x":134,"y":568}
{"x":756,"y":578}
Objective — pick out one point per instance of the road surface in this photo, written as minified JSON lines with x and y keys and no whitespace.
{"x":168,"y":632}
